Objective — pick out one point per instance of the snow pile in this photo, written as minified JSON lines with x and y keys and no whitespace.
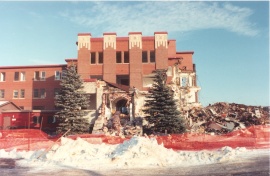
{"x":138,"y":152}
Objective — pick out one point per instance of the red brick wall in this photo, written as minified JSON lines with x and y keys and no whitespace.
{"x":29,"y":84}
{"x":83,"y":62}
{"x":171,"y":48}
{"x":109,"y":65}
{"x":135,"y":66}
{"x":187,"y":60}
{"x":161,"y":57}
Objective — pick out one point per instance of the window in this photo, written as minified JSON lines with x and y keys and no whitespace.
{"x":22,"y":76}
{"x":144,"y":57}
{"x":57,"y":75}
{"x":37,"y":119}
{"x":184,"y":81}
{"x":43,"y":76}
{"x":22,"y":93}
{"x":15,"y":94}
{"x":39,"y":93}
{"x":64,"y":72}
{"x":126,"y":57}
{"x":152,"y":56}
{"x":42,"y":93}
{"x":51,"y":120}
{"x":93,"y":58}
{"x":100,"y":58}
{"x":2,"y":76}
{"x":122,"y":79}
{"x":118,"y":57}
{"x":16,"y":76}
{"x":36,"y":75}
{"x":35,"y":93}
{"x":19,"y":76}
{"x":2,"y":93}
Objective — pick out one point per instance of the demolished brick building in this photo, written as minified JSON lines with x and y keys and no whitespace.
{"x":117,"y":73}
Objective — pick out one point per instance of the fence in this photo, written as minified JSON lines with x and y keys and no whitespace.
{"x":252,"y":137}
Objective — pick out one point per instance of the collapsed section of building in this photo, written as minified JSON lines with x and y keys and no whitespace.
{"x":221,"y":118}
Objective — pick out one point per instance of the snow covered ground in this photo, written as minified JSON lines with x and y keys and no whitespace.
{"x":136,"y":153}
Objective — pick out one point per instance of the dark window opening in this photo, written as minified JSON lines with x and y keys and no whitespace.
{"x":37,"y":119}
{"x":42,"y":93}
{"x":87,"y":96}
{"x":36,"y":95}
{"x":126,"y":57}
{"x":118,"y":57}
{"x":51,"y":120}
{"x":93,"y":58}
{"x":36,"y":75}
{"x":22,"y":93}
{"x":152,"y":56}
{"x":122,"y":79}
{"x":100,"y":58}
{"x":16,"y":76}
{"x":2,"y":93}
{"x":144,"y":57}
{"x":98,"y":77}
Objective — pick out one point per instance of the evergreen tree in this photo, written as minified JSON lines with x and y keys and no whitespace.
{"x":161,"y":108}
{"x":71,"y":101}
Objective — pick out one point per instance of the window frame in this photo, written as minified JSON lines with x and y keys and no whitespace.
{"x":15,"y":93}
{"x":43,"y":76}
{"x":36,"y":76}
{"x":16,"y":76}
{"x":152,"y":58}
{"x":57,"y":75}
{"x":36,"y":92}
{"x":118,"y":57}
{"x":2,"y":76}
{"x":144,"y":58}
{"x":22,"y":76}
{"x":126,"y":57}
{"x":100,"y":57}
{"x":2,"y":93}
{"x":42,"y":93}
{"x":22,"y":93}
{"x":93,"y":58}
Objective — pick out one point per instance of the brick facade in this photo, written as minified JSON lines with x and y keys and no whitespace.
{"x":129,"y":61}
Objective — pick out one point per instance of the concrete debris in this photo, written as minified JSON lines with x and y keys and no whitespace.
{"x":120,"y":125}
{"x":221,"y":118}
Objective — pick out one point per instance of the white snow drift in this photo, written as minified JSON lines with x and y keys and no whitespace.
{"x":138,"y":152}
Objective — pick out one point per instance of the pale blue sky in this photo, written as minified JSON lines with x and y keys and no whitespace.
{"x":230,"y":40}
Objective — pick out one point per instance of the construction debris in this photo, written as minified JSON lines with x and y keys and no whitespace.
{"x":221,"y":118}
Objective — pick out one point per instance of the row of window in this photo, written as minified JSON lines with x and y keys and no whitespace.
{"x":39,"y":119}
{"x":122,"y":57}
{"x":38,"y":76}
{"x":37,"y":93}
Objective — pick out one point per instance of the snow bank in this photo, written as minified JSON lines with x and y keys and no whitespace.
{"x":138,"y":152}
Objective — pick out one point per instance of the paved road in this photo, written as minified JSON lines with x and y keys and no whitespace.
{"x":258,"y":166}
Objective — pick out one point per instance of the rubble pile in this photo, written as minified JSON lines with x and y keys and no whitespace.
{"x":122,"y":126}
{"x":221,"y":118}
{"x":133,"y":128}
